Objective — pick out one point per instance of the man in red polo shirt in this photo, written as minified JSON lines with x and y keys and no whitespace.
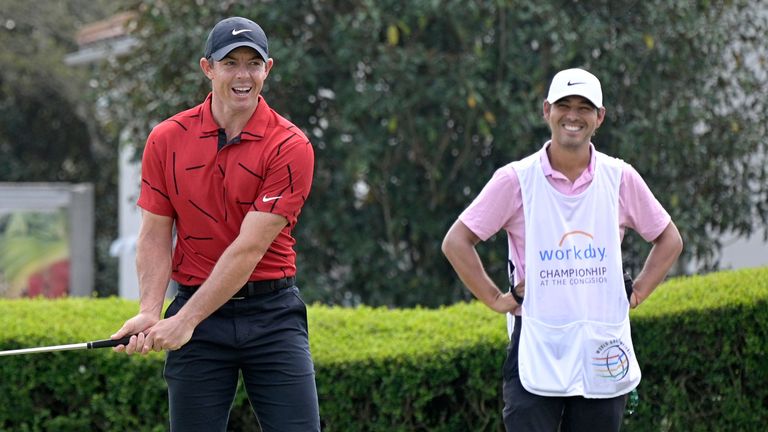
{"x":232,"y":175}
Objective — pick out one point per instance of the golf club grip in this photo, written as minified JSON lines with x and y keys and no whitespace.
{"x":108,"y":343}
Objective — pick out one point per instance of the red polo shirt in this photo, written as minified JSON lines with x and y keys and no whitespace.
{"x":191,"y":174}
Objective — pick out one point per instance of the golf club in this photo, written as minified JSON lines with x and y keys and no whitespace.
{"x":106,"y":343}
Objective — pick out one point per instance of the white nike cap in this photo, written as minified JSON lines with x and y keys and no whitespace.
{"x":576,"y":82}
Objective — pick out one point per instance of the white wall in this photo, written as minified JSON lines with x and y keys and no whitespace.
{"x":129,"y":215}
{"x":745,"y":252}
{"x":124,"y":247}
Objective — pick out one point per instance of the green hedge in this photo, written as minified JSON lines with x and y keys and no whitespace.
{"x":700,"y":341}
{"x":702,"y":346}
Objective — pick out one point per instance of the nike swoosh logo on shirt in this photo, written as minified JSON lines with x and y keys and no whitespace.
{"x":265,"y":199}
{"x":237,"y":32}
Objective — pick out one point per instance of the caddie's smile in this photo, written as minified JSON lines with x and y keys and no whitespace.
{"x":572,"y":128}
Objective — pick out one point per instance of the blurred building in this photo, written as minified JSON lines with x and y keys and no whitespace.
{"x":100,"y":39}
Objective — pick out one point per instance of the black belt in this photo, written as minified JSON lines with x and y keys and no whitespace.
{"x":252,"y":288}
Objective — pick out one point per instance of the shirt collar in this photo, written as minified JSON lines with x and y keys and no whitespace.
{"x":585,"y":176}
{"x":254,"y":129}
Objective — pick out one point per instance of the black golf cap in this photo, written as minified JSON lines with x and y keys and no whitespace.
{"x":235,"y":32}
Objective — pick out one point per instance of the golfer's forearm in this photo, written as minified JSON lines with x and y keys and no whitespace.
{"x":234,"y":267}
{"x":230,"y":273}
{"x":664,"y":253}
{"x":153,"y":267}
{"x":153,"y":261}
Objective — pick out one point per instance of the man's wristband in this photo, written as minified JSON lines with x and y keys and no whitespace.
{"x":628,"y":285}
{"x":516,"y":296}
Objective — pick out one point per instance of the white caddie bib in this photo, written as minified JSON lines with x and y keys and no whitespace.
{"x":575,"y":337}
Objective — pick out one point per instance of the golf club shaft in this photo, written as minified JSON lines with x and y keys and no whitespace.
{"x":106,"y":343}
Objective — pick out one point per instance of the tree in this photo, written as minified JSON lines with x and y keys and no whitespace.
{"x":411,"y":106}
{"x":48,"y":130}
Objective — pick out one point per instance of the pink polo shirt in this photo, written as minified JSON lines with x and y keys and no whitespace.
{"x":500,"y":205}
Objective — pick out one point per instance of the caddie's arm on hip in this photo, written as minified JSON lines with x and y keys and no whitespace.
{"x":666,"y":249}
{"x":459,"y":248}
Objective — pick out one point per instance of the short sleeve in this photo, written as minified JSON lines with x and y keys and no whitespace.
{"x":496,"y":206}
{"x":154,"y":196}
{"x":639,"y":208}
{"x":288,"y":180}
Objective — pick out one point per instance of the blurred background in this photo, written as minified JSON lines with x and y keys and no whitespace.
{"x":411,"y":107}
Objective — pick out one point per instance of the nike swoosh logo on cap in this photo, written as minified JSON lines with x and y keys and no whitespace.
{"x":237,"y":32}
{"x":575,"y":83}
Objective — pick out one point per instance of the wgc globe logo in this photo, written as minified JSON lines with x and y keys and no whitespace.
{"x":611,"y":361}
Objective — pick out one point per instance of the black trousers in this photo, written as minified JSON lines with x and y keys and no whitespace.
{"x":527,"y":412}
{"x":265,"y":339}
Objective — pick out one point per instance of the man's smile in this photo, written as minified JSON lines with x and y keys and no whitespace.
{"x":241,"y":90}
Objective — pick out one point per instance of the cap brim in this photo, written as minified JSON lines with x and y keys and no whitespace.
{"x":222,"y":52}
{"x":557,"y":96}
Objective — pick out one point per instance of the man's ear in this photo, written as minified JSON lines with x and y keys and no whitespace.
{"x":206,"y":67}
{"x":546,"y":109}
{"x":600,"y":116}
{"x":268,"y":65}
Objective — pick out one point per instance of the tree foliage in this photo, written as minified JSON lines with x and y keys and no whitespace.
{"x":412,"y":105}
{"x":48,"y":131}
